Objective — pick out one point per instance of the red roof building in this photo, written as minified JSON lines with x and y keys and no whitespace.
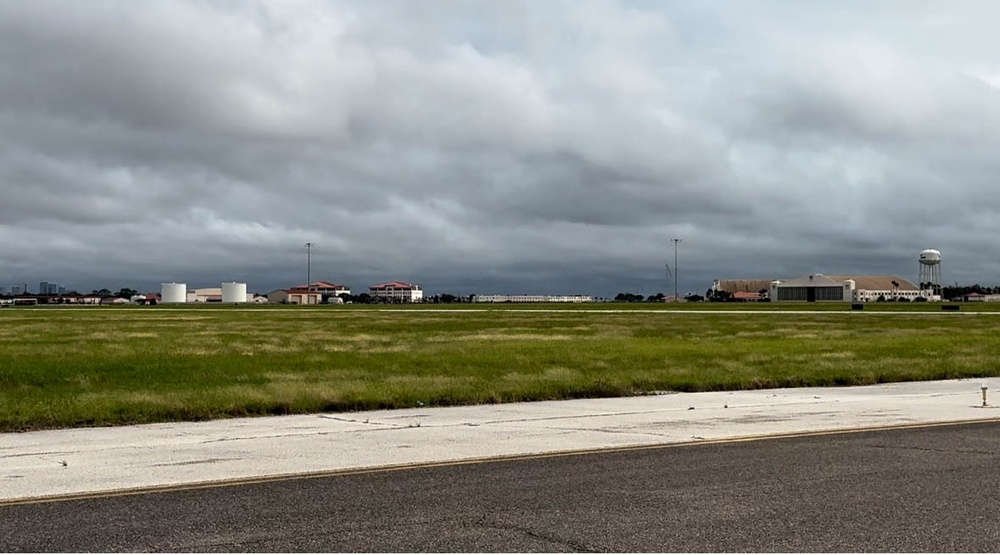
{"x":325,"y":287}
{"x":397,"y":291}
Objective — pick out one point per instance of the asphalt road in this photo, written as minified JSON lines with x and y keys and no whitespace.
{"x":931,"y":489}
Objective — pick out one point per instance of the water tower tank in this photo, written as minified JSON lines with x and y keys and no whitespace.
{"x":930,"y":257}
{"x":234,"y":292}
{"x":173,"y":292}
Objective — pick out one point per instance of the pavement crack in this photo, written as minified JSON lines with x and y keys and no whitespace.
{"x":574,"y":546}
{"x":606,"y":431}
{"x":40,"y":454}
{"x":354,"y":420}
{"x":201,"y":461}
{"x":936,"y":449}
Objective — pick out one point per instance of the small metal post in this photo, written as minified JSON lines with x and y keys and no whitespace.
{"x":984,"y":395}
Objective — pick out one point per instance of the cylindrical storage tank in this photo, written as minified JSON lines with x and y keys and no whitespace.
{"x":234,"y":292}
{"x":173,"y":292}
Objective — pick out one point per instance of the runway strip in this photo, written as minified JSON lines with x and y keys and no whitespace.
{"x":67,"y":463}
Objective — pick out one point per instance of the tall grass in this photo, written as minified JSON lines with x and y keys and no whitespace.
{"x":86,"y":367}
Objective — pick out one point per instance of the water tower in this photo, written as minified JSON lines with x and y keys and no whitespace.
{"x":930,"y":270}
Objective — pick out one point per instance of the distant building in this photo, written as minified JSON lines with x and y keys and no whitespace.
{"x":146,"y":299}
{"x":17,"y":290}
{"x":978,"y":298}
{"x":834,"y":288}
{"x":46,"y":288}
{"x":214,"y":294}
{"x":733,"y":286}
{"x":296,"y":295}
{"x":396,"y":291}
{"x":205,"y":295}
{"x":746,"y":297}
{"x":325,"y":288}
{"x":821,"y":288}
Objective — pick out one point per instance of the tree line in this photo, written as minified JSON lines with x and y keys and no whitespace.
{"x":657,"y":298}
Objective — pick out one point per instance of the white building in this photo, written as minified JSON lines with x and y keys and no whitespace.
{"x":397,"y":292}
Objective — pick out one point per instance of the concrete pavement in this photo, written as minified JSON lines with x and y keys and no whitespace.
{"x":81,"y":461}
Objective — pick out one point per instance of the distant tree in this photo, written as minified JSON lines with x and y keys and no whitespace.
{"x":620,"y":297}
{"x":920,"y":300}
{"x":694,"y":298}
{"x":126,"y":293}
{"x":101,"y":292}
{"x":364,"y":298}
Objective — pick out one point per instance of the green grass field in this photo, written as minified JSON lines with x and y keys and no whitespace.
{"x":103,"y":366}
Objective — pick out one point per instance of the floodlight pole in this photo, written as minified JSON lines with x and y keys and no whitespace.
{"x":668,"y":278}
{"x":675,"y":268}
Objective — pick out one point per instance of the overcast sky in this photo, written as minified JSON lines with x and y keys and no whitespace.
{"x":547,"y":147}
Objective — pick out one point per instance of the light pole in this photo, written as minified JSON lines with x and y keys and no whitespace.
{"x":309,"y":273}
{"x":675,"y":268}
{"x":668,"y":278}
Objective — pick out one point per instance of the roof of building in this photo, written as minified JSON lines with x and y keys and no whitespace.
{"x":297,"y":290}
{"x":874,"y":283}
{"x":878,"y":283}
{"x":871,"y":283}
{"x":321,"y":285}
{"x":207,"y":291}
{"x":745,"y":285}
{"x":395,"y":285}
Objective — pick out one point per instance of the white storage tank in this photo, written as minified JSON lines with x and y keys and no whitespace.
{"x":173,"y":292}
{"x":234,"y":292}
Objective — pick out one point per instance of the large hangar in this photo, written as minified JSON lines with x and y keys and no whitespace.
{"x":839,"y":288}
